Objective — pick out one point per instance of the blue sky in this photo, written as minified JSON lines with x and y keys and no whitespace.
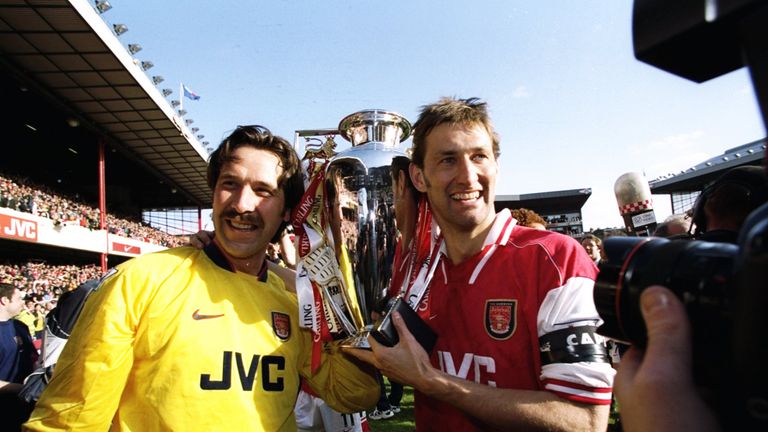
{"x":573,"y":107}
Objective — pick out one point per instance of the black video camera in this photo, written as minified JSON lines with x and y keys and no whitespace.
{"x":724,"y":287}
{"x":725,"y":291}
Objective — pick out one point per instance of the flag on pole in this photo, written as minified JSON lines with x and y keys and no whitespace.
{"x":189,"y":93}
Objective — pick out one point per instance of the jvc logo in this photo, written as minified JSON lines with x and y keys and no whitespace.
{"x":269,"y":365}
{"x":18,"y":228}
{"x":477,"y":363}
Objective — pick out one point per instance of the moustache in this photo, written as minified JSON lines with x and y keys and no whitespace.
{"x":251,"y":218}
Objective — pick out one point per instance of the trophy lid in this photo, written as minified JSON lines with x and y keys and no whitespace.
{"x":375,"y":125}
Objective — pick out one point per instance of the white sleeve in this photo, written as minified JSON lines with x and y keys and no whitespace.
{"x":563,"y":308}
{"x":568,"y":306}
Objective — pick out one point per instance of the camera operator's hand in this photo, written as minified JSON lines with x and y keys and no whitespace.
{"x":655,"y":387}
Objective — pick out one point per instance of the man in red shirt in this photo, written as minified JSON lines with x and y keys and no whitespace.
{"x":512,"y":306}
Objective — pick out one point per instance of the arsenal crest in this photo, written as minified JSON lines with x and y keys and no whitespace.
{"x":281,"y":324}
{"x":500,"y":318}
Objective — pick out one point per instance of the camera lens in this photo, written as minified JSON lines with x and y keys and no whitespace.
{"x":697,"y":272}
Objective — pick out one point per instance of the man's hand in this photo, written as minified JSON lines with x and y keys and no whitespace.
{"x":201,"y":239}
{"x":406,"y":362}
{"x":655,"y":388}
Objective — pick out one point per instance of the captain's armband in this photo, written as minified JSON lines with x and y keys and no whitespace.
{"x":572,"y":345}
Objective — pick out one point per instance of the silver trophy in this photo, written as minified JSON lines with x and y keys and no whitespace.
{"x":361,"y":210}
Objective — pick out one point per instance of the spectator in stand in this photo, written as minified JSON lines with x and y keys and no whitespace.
{"x":593,"y":245}
{"x":675,"y":226}
{"x":529,"y":218}
{"x":40,"y":314}
{"x":50,"y":305}
{"x":26,"y":316}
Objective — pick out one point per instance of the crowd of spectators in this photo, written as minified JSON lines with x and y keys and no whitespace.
{"x":22,"y":195}
{"x":147,"y":234}
{"x":44,"y":282}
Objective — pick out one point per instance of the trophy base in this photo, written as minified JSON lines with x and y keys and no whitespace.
{"x":359,"y":340}
{"x":383,"y":330}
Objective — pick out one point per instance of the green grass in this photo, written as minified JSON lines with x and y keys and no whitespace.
{"x":402,"y":421}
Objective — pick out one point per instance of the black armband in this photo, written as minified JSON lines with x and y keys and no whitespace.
{"x":572,"y":345}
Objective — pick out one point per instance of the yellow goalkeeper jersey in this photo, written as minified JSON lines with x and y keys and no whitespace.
{"x":178,"y":340}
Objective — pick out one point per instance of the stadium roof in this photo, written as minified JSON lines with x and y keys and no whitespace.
{"x":546,"y":202}
{"x":696,"y":177}
{"x":66,"y":52}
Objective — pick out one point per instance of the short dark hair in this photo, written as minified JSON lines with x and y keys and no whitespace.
{"x":401,"y":164}
{"x":7,"y":290}
{"x":471,"y":111}
{"x":261,"y":138}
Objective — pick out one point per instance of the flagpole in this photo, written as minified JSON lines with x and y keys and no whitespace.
{"x":181,"y":97}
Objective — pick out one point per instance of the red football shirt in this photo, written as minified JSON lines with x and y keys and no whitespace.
{"x":490,"y":311}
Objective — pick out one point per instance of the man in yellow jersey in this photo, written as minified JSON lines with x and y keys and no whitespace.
{"x":189,"y":339}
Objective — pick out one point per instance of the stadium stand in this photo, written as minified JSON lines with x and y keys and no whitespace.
{"x":90,"y":148}
{"x":44,"y":282}
{"x":39,"y":200}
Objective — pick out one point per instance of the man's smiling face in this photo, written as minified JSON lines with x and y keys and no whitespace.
{"x":248,"y":204}
{"x":459,"y":177}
